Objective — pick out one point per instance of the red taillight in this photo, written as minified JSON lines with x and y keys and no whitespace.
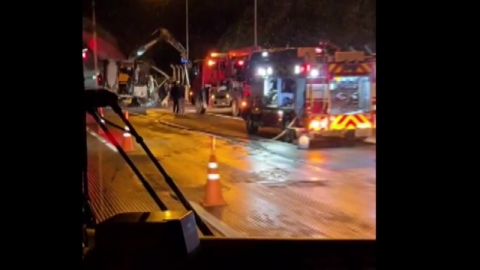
{"x":99,"y":80}
{"x":305,"y":68}
{"x":240,"y":63}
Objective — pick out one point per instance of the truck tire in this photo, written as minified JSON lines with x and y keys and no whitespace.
{"x":199,"y":105}
{"x":251,"y":127}
{"x":235,"y":108}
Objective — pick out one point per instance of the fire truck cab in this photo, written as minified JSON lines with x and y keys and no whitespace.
{"x":324,"y":98}
{"x":219,"y":82}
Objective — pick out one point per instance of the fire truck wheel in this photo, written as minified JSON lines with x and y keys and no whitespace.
{"x":199,"y":105}
{"x":251,"y":127}
{"x":235,"y":109}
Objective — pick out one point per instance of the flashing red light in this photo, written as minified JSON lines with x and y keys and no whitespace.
{"x":305,"y":68}
{"x":240,"y":63}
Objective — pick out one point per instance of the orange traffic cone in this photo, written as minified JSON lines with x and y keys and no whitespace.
{"x":213,"y":188}
{"x":99,"y":129}
{"x":127,"y":141}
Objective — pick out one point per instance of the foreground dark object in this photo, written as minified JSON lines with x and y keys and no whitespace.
{"x":165,"y":239}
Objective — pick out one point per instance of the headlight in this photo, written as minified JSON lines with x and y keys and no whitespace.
{"x":314,"y":73}
{"x":280,"y":113}
{"x":296,"y":70}
{"x":262,"y":72}
{"x":318,"y":124}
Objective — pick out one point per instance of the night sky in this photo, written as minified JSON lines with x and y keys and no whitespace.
{"x":132,"y":21}
{"x":292,"y":22}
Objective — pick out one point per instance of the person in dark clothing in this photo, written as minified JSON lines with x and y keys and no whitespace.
{"x":181,"y":98}
{"x":174,"y":93}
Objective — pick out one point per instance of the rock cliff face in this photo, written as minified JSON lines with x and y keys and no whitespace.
{"x":305,"y":22}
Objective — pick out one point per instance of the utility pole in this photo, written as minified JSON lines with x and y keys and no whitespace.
{"x":186,"y":27}
{"x":94,"y":23}
{"x":255,"y":24}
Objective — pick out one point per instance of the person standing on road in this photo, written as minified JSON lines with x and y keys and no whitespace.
{"x":174,"y":93}
{"x":181,"y":99}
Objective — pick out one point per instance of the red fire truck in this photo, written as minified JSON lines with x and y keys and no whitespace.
{"x":322,"y":96}
{"x":219,"y":81}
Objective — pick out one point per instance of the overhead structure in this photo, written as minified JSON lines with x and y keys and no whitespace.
{"x":162,"y":34}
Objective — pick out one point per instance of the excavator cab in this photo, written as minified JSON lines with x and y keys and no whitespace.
{"x":125,"y":74}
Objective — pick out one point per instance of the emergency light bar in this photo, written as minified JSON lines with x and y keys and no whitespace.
{"x":302,"y":69}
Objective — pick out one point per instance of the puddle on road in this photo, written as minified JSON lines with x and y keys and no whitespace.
{"x":279,"y":178}
{"x":308,"y":183}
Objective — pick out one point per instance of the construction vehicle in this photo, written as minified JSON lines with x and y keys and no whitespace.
{"x":327,"y":97}
{"x":130,"y":78}
{"x":220,"y":83}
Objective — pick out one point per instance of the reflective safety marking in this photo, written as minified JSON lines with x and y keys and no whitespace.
{"x":109,"y":145}
{"x":127,"y":132}
{"x":212,"y":165}
{"x":213,"y":176}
